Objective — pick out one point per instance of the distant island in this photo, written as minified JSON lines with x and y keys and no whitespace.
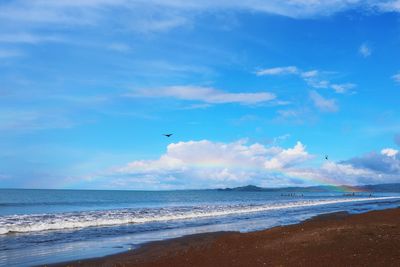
{"x":381,"y":188}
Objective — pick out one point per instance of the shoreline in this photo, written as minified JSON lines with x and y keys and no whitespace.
{"x":333,"y":239}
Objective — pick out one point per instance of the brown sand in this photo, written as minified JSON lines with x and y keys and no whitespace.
{"x":369,"y":239}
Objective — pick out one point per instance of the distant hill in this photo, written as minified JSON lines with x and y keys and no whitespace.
{"x":383,"y":187}
{"x":251,"y":188}
{"x":394,"y":188}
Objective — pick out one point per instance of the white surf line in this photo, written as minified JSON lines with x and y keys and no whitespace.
{"x":91,"y":222}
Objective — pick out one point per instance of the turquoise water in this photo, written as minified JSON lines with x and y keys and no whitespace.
{"x":45,"y":226}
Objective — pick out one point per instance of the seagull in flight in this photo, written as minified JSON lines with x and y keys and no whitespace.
{"x":326,"y":157}
{"x":167,"y":135}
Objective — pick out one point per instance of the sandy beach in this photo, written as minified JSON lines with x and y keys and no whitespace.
{"x":369,"y":239}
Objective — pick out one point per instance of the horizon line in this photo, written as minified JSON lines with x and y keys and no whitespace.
{"x":192,"y":189}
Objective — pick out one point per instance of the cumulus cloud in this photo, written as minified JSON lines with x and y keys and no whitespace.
{"x":390,"y":152}
{"x":386,"y":162}
{"x":371,"y":168}
{"x":287,"y":158}
{"x":207,"y":164}
{"x":204,"y":94}
{"x":323,"y":104}
{"x":335,"y":173}
{"x":365,"y":50}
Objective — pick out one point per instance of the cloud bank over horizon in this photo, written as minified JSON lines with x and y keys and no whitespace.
{"x":207,"y":164}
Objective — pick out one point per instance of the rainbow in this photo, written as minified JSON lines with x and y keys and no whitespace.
{"x":320,"y":181}
{"x":220,"y":163}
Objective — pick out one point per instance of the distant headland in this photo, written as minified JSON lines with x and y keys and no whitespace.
{"x":394,"y":188}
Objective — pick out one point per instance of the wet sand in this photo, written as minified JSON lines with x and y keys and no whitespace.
{"x":369,"y":239}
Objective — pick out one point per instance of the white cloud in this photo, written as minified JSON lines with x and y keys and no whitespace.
{"x":390,"y":6}
{"x":207,"y":164}
{"x":311,"y":77}
{"x":162,"y":15}
{"x":318,"y":83}
{"x":365,"y":50}
{"x":390,"y":152}
{"x":336,"y":174}
{"x":138,"y":16}
{"x":310,"y":74}
{"x":204,"y":161}
{"x":204,"y":94}
{"x":342,"y":88}
{"x":156,"y":15}
{"x":287,"y":158}
{"x":278,"y":71}
{"x":280,"y":138}
{"x":345,"y":170}
{"x":327,"y":105}
{"x":385,"y":164}
{"x":396,"y":77}
{"x":371,"y":168}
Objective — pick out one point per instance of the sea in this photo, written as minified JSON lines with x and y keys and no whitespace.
{"x":40,"y":227}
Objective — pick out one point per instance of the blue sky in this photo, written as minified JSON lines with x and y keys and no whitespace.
{"x":254,"y":92}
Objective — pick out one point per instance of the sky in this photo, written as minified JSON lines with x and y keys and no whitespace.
{"x":254,"y":92}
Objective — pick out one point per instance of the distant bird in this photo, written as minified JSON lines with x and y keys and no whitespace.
{"x":167,"y":135}
{"x":326,"y":157}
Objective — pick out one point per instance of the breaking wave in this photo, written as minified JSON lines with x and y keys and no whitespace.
{"x":71,"y":220}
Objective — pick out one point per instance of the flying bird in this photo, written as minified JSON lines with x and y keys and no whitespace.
{"x":167,"y":135}
{"x":326,"y":157}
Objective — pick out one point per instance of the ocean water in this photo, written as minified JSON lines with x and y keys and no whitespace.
{"x":48,"y":226}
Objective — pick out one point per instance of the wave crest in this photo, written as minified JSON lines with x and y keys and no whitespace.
{"x":65,"y":221}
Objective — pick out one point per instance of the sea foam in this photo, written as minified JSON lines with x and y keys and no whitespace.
{"x":72,"y":220}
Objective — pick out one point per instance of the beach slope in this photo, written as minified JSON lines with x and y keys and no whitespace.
{"x":369,"y":239}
